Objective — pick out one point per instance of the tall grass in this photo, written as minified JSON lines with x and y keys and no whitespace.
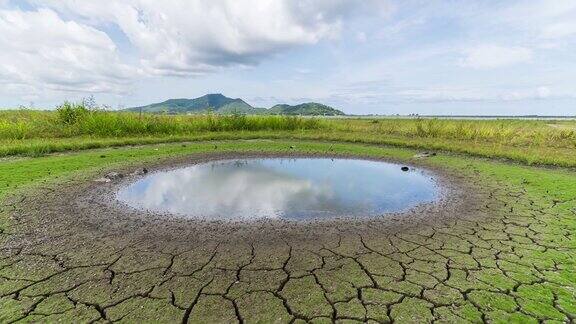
{"x":512,"y":132}
{"x":74,"y":127}
{"x":72,"y":120}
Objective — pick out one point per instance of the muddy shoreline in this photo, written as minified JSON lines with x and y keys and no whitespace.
{"x":90,"y":208}
{"x":444,"y":186}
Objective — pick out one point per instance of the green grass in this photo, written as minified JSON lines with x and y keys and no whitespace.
{"x":71,"y":122}
{"x":530,"y":155}
{"x":36,"y":133}
{"x":18,"y":172}
{"x":78,"y":121}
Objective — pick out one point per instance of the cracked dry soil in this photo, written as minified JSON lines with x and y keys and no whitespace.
{"x":488,"y":253}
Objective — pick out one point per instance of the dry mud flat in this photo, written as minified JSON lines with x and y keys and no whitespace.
{"x":484,"y":253}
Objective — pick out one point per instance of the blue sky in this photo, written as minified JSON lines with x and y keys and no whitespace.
{"x":364,"y":56}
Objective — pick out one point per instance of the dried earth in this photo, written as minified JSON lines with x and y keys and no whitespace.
{"x":500,"y":248}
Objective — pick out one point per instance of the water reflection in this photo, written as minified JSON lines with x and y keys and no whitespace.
{"x":286,"y":188}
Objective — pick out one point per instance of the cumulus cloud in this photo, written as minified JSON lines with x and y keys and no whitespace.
{"x":194,"y":37}
{"x":41,"y":52}
{"x":493,"y":56}
{"x":67,"y":46}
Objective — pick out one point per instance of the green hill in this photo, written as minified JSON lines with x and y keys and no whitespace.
{"x":214,"y":102}
{"x":306,"y":109}
{"x":221,"y":104}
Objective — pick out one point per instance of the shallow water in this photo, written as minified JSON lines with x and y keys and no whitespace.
{"x":302,"y":188}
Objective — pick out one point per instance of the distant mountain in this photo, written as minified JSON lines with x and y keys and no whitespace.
{"x":221,"y":104}
{"x":214,"y":102}
{"x":309,"y":109}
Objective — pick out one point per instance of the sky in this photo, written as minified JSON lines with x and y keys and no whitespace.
{"x":454,"y":57}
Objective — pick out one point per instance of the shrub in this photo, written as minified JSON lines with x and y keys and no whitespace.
{"x":70,"y":113}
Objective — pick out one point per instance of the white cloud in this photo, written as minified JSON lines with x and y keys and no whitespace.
{"x":479,"y":94}
{"x":195,"y":37}
{"x":559,"y":30}
{"x":379,"y":92}
{"x":534,"y":14}
{"x":255,"y":192}
{"x":543,"y":19}
{"x":494,"y":56}
{"x":41,"y":52}
{"x":63,"y":46}
{"x":443,"y":94}
{"x":543,"y":92}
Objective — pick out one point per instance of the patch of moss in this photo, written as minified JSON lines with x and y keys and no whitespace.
{"x":412,"y":310}
{"x":262,"y":307}
{"x":305,"y":297}
{"x":489,"y":301}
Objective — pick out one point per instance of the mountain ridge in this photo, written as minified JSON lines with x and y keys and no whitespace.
{"x":218,"y":103}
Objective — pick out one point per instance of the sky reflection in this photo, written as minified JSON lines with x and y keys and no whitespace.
{"x":281,"y":188}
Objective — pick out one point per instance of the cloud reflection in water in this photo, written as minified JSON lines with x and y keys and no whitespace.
{"x":287,"y":188}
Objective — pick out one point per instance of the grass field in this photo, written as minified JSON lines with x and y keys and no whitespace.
{"x":508,"y":257}
{"x":36,"y":133}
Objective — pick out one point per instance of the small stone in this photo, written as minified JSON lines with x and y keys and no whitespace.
{"x":425,"y":154}
{"x":404,"y":168}
{"x":114,"y":176}
{"x":104,"y":180}
{"x":140,"y":171}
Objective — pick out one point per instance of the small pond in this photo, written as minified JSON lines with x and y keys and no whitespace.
{"x":297,"y":189}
